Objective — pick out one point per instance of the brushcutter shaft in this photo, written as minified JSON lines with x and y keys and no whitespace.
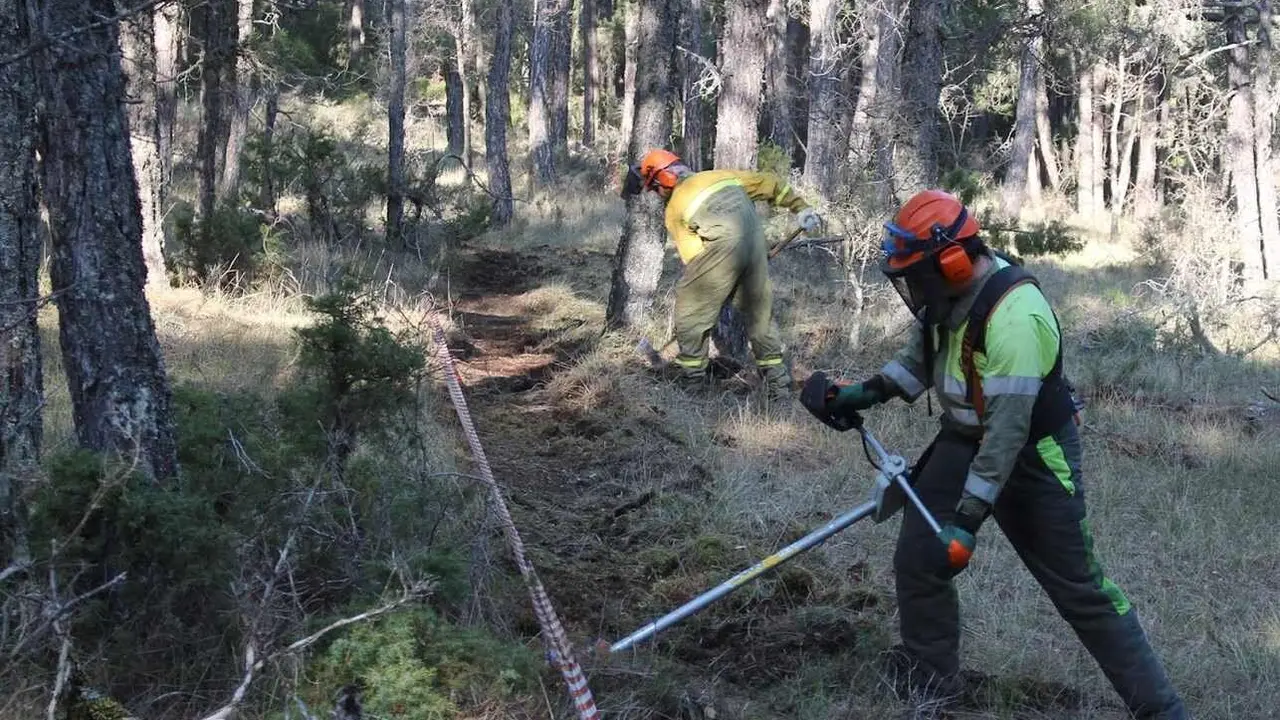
{"x":808,"y":541}
{"x":900,"y":479}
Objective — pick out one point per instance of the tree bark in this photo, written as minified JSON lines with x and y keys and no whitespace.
{"x":1098,"y":142}
{"x":1024,"y":127}
{"x":778,"y":86}
{"x":115,"y":372}
{"x":638,"y":261}
{"x":21,"y":367}
{"x":881,"y":102}
{"x":1114,"y":144}
{"x":139,"y":52}
{"x":1084,"y":142}
{"x":1044,"y":133}
{"x":1263,"y":123}
{"x":496,"y":114}
{"x":395,"y":11}
{"x":741,"y":65}
{"x":694,"y":105}
{"x":165,"y":35}
{"x":916,"y":161}
{"x":590,"y":69}
{"x":240,"y":83}
{"x":1239,"y":152}
{"x":822,"y":164}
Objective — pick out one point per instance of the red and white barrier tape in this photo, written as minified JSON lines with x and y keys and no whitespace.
{"x":559,"y":651}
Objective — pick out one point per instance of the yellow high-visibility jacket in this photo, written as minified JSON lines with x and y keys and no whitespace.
{"x":694,"y":190}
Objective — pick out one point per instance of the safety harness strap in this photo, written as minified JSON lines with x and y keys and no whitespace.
{"x":1054,"y":405}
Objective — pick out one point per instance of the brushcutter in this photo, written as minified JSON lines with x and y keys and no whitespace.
{"x":888,"y":496}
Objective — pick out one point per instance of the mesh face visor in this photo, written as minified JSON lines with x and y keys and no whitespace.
{"x":904,"y":265}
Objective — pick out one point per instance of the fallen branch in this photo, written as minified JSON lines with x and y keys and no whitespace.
{"x":1270,"y":397}
{"x":253,"y":664}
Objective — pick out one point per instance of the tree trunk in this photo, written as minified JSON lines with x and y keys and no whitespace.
{"x":496,"y":114}
{"x":778,"y":86}
{"x":240,"y":91}
{"x":210,"y":137}
{"x":741,"y":64}
{"x":1044,"y":132}
{"x":1239,"y":152}
{"x":454,"y":92}
{"x":463,"y":49}
{"x":21,"y":382}
{"x":1124,"y":159}
{"x":879,"y":21}
{"x":544,"y":69}
{"x":1098,"y":143}
{"x":1263,"y":119}
{"x":115,"y":372}
{"x":916,"y":162}
{"x":355,"y":30}
{"x":694,"y":106}
{"x":561,"y":69}
{"x":590,"y":69}
{"x":165,"y":35}
{"x":1024,"y":126}
{"x":139,"y":51}
{"x":1145,"y":202}
{"x":797,"y":52}
{"x":638,"y":262}
{"x":1114,"y":145}
{"x":631,"y":31}
{"x":822,"y":164}
{"x":882,"y":102}
{"x":1084,"y":143}
{"x":267,"y":193}
{"x":395,"y":11}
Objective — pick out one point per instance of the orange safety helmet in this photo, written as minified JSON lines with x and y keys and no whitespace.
{"x":655,"y":169}
{"x":931,"y":224}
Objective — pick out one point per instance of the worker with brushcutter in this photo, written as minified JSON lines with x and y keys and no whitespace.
{"x":989,"y":345}
{"x":712,"y":220}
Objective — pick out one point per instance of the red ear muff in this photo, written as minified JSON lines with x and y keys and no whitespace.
{"x":955,"y":265}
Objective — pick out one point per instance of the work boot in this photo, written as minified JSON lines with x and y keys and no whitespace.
{"x":928,"y":695}
{"x":778,"y":381}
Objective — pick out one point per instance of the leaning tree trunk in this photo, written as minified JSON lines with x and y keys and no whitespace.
{"x":115,"y":372}
{"x":1263,"y":119}
{"x":590,"y":69}
{"x":240,"y":91}
{"x":395,"y":124}
{"x":1239,"y":152}
{"x":638,"y":262}
{"x":694,"y":106}
{"x":742,"y":54}
{"x":916,"y":158}
{"x":1098,"y":144}
{"x":139,"y":52}
{"x":21,"y":381}
{"x":822,"y":164}
{"x":1024,"y":132}
{"x":454,"y":93}
{"x":496,"y":113}
{"x":463,"y":42}
{"x":778,"y":86}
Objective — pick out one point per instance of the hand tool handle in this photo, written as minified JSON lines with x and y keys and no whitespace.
{"x":782,"y":245}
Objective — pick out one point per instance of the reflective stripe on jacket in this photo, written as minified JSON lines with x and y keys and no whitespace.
{"x":1021,"y":349}
{"x":692,"y":193}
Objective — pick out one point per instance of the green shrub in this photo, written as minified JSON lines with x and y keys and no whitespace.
{"x":413,"y":666}
{"x":231,"y":247}
{"x":772,"y":158}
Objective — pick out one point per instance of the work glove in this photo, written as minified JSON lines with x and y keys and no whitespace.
{"x":809,"y":220}
{"x":960,"y":537}
{"x":838,"y":405}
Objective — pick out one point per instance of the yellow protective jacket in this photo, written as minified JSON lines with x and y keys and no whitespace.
{"x":694,"y":190}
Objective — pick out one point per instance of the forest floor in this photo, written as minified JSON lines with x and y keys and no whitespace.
{"x":633,"y":496}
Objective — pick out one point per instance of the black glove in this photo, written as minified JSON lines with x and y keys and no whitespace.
{"x":819,"y":396}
